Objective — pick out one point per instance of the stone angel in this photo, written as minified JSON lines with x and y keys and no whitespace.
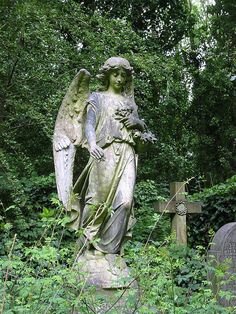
{"x":100,"y":202}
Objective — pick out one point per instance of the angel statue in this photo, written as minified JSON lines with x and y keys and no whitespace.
{"x":100,"y":200}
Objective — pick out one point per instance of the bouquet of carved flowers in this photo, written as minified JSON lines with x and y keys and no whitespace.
{"x":142,"y":138}
{"x":123,"y":113}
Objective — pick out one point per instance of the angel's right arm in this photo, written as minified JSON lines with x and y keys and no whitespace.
{"x":90,"y":127}
{"x":95,"y":151}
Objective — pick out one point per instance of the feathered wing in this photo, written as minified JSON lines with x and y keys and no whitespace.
{"x":68,"y":133}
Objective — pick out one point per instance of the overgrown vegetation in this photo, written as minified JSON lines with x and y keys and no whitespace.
{"x":219,"y":208}
{"x":43,"y":277}
{"x":183,"y":55}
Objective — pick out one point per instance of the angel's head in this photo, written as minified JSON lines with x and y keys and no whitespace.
{"x":117,"y":66}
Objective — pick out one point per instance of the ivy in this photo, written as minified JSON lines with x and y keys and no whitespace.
{"x":219,"y":208}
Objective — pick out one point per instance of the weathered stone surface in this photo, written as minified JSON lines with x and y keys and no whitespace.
{"x":106,"y":271}
{"x":222,"y":248}
{"x":116,"y":290}
{"x":99,"y":200}
{"x":180,"y":207}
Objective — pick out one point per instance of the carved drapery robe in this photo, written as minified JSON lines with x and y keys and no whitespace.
{"x":104,"y":190}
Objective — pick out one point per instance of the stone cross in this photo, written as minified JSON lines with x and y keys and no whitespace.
{"x":180,"y":207}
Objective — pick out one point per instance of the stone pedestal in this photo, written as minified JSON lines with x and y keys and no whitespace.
{"x":114,"y":287}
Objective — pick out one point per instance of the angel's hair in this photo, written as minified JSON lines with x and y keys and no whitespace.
{"x":114,"y":63}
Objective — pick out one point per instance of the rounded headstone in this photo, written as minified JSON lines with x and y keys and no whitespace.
{"x":224,"y":247}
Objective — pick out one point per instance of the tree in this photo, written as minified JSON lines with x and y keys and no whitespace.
{"x":162,"y":23}
{"x":212,"y":112}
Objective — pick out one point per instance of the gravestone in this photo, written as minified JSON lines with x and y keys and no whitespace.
{"x":179,"y":207}
{"x":223,"y":248}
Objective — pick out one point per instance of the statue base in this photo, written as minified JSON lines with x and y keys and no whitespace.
{"x":106,"y":271}
{"x":115,"y":289}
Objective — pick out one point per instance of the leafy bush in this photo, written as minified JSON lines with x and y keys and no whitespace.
{"x":44,"y":278}
{"x":219,"y":208}
{"x":25,"y":202}
{"x":173,"y":280}
{"x":146,"y":193}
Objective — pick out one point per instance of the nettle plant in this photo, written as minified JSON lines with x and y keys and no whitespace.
{"x":44,"y":277}
{"x":41,"y":277}
{"x":173,"y":279}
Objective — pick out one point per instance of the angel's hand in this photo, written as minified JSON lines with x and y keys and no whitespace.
{"x":96,"y":152}
{"x":129,"y":122}
{"x":61,"y":142}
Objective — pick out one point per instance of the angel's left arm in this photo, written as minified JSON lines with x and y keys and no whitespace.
{"x":133,"y":121}
{"x":139,"y":124}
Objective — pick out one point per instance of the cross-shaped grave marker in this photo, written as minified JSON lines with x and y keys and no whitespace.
{"x":179,"y":206}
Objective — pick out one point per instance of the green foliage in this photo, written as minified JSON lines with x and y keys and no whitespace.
{"x":45,"y":44}
{"x":181,"y":80}
{"x":163,"y":23}
{"x":45,"y":277}
{"x":184,"y":60}
{"x":22,"y":202}
{"x":219,"y":208}
{"x":173,"y":279}
{"x":148,"y":220}
{"x":212,"y":112}
{"x":223,"y":26}
{"x":213,"y":119}
{"x":163,"y":97}
{"x":39,"y":279}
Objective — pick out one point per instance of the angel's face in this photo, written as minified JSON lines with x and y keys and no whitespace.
{"x":117,"y":80}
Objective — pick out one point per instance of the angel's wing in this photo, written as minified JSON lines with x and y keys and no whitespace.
{"x":68,"y":133}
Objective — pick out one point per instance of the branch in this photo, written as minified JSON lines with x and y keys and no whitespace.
{"x":12,"y":72}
